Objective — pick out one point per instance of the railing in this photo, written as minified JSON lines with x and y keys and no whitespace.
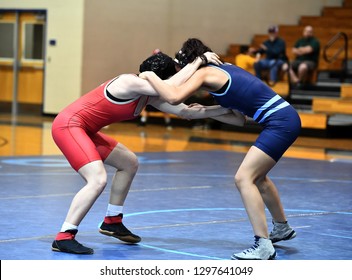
{"x":335,"y":56}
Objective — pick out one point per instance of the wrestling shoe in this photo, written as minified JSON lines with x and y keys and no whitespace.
{"x":262,"y":249}
{"x":281,"y":231}
{"x":113,"y":226}
{"x":70,"y":244}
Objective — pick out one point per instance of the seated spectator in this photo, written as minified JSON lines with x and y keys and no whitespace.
{"x":274,"y":49}
{"x":306,"y":50}
{"x":246,"y":58}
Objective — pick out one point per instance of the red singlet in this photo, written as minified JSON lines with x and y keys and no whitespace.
{"x":75,"y":130}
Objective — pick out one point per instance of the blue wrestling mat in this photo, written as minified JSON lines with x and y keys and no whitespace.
{"x":184,"y":205}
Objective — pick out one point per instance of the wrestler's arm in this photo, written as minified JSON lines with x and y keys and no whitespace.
{"x":176,"y":94}
{"x":194,"y":112}
{"x":233,"y":117}
{"x":130,"y":85}
{"x":185,"y":73}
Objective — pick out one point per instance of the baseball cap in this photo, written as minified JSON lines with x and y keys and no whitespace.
{"x":273,"y":29}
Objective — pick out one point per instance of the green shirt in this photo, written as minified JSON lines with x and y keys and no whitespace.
{"x":314,"y":43}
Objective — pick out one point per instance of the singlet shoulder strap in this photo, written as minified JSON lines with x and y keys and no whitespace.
{"x":114,"y":99}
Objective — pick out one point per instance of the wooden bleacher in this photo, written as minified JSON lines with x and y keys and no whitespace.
{"x":332,"y":21}
{"x":342,"y":105}
{"x":337,"y":110}
{"x":346,"y":91}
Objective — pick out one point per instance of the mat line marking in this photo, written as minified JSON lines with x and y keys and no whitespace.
{"x":183,"y":224}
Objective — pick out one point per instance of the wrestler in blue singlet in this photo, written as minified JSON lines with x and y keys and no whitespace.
{"x":249,"y":95}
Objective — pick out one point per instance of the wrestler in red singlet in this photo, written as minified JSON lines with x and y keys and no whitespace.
{"x":76,"y":129}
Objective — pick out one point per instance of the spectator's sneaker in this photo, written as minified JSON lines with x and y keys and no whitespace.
{"x":70,"y":244}
{"x":281,"y":231}
{"x":119,"y":231}
{"x":262,"y":249}
{"x":142,"y":123}
{"x":168,"y":125}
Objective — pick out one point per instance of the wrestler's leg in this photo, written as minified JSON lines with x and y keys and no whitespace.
{"x":126,"y":164}
{"x":271,"y":198}
{"x":281,"y":228}
{"x":95,"y":176}
{"x":81,"y":152}
{"x":254,"y":167}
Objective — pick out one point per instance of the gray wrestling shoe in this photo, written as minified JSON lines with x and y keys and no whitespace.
{"x":262,"y":249}
{"x":281,"y":231}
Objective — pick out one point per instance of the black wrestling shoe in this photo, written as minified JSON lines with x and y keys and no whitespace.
{"x":71,"y":246}
{"x":119,"y":231}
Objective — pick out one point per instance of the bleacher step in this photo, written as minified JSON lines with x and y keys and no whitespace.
{"x":340,"y":120}
{"x":332,"y":106}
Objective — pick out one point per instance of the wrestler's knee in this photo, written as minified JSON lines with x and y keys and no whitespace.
{"x":242,"y":179}
{"x":123,"y":160}
{"x":97,"y":183}
{"x":95,"y":175}
{"x":131,"y":163}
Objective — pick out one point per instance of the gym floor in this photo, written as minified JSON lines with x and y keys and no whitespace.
{"x":183,"y":202}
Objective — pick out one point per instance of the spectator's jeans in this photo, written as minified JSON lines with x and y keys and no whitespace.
{"x":273,"y":65}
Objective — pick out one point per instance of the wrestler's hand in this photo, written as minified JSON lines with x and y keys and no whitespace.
{"x":144,"y":75}
{"x":213,"y":58}
{"x":195,"y":105}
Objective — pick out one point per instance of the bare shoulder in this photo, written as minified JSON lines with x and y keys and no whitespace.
{"x":130,"y":86}
{"x":214,"y":77}
{"x":123,"y":81}
{"x":209,"y":71}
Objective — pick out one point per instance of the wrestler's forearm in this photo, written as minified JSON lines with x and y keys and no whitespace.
{"x":233,"y":118}
{"x":185,"y":73}
{"x":203,"y":112}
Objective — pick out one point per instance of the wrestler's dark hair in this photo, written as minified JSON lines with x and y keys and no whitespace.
{"x":161,"y":64}
{"x":190,"y":50}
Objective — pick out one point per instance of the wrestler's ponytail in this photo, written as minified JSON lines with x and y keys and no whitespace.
{"x":190,"y":50}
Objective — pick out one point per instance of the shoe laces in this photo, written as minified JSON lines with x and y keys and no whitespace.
{"x":254,"y":246}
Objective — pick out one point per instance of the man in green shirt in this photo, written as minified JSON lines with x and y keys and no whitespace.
{"x":307,"y":51}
